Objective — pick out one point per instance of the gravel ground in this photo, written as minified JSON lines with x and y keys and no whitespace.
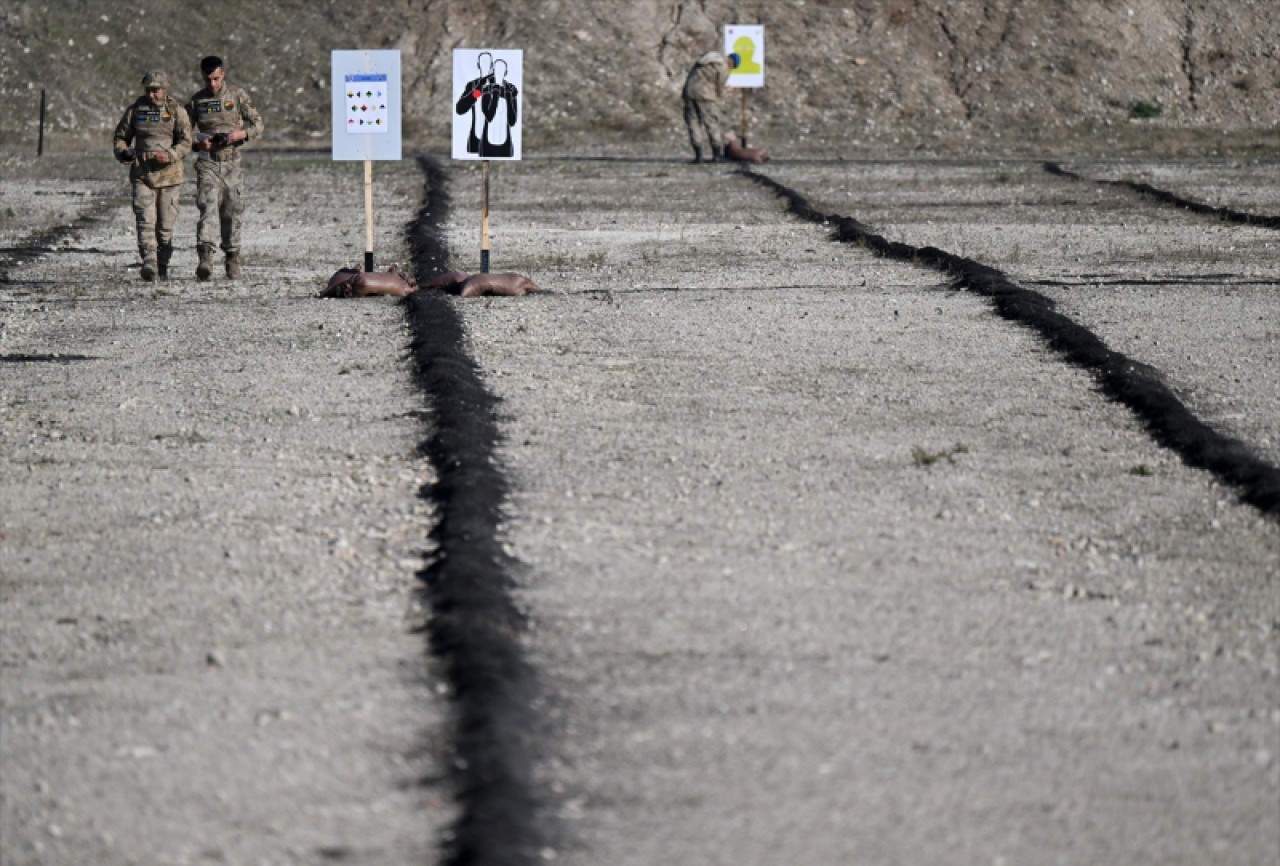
{"x":210,"y":533}
{"x":824,"y":561}
{"x":830,"y":564}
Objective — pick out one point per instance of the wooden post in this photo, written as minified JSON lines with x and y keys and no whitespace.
{"x":368,"y":216}
{"x":40,"y":144}
{"x":484,"y":219}
{"x":743,"y":117}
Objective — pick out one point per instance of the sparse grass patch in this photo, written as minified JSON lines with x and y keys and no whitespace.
{"x":923,"y":457}
{"x":1142,"y":470}
{"x":1144,"y":109}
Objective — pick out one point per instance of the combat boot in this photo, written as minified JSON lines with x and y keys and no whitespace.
{"x":204,"y":270}
{"x":149,"y":266}
{"x":162,"y":261}
{"x":233,"y":266}
{"x":697,"y":154}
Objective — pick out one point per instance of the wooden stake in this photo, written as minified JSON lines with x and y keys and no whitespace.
{"x":484,"y":219}
{"x":743,"y":91}
{"x":368,"y":216}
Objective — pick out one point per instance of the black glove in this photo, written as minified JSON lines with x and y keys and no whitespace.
{"x":219,"y":140}
{"x":125,"y":155}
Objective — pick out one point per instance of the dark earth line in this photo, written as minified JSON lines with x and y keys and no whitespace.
{"x":1225,"y":214}
{"x":474,"y":628}
{"x":45,"y":241}
{"x":1132,"y":383}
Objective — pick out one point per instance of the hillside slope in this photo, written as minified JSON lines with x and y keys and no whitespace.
{"x":844,"y":78}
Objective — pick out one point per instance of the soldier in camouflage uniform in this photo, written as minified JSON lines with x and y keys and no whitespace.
{"x":224,"y":119}
{"x":707,"y":80}
{"x":152,"y":137}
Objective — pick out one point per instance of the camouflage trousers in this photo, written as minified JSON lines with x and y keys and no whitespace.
{"x":156,"y":212}
{"x":221,"y":208}
{"x":704,"y":126}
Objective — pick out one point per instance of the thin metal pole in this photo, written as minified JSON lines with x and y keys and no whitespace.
{"x":40,"y":144}
{"x":368,"y":216}
{"x":744,"y":116}
{"x":484,"y":219}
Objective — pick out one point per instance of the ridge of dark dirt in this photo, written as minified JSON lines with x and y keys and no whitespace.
{"x":474,"y":628}
{"x":1136,"y":385}
{"x":1163,"y":195}
{"x":45,"y":240}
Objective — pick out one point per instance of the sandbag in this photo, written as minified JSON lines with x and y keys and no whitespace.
{"x":338,"y":286}
{"x":741,"y":153}
{"x":449,"y":282}
{"x":497,"y":284}
{"x":354,"y":283}
{"x":391,"y":282}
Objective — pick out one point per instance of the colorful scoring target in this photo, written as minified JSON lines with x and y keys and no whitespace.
{"x":747,"y":41}
{"x":364,"y":107}
{"x":367,"y":110}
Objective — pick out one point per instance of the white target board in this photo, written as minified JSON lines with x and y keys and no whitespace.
{"x":366,"y":105}
{"x":489,"y":105}
{"x":746,"y":41}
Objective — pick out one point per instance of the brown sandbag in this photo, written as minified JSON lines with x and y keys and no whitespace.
{"x":390,"y":282}
{"x":447,"y":281}
{"x":353,"y":283}
{"x":739,"y":153}
{"x":340,"y":283}
{"x":497,"y":284}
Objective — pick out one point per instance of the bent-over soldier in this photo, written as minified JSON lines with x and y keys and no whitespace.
{"x":708,"y":78}
{"x":224,"y":119}
{"x":152,"y":137}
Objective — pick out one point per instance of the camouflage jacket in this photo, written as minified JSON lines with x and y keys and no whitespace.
{"x":148,"y":129}
{"x":707,"y":78}
{"x":229,"y":109}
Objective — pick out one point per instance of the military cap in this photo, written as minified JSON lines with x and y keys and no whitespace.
{"x":155,"y":78}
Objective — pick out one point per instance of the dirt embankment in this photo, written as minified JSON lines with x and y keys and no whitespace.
{"x":998,"y":76}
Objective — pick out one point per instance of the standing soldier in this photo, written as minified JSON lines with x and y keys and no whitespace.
{"x":152,"y":138}
{"x":224,"y":119}
{"x":708,"y":78}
